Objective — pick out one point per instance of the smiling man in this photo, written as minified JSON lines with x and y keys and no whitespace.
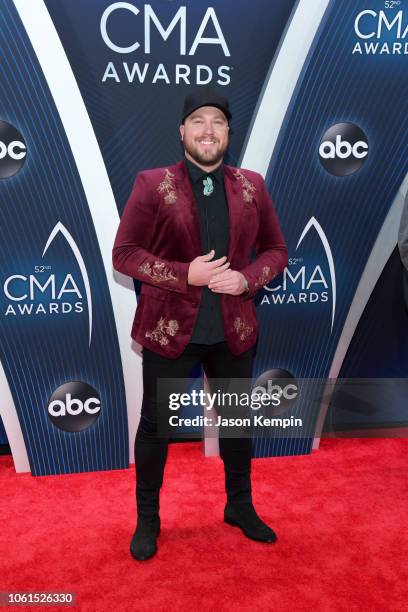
{"x":205,"y":136}
{"x":189,"y":232}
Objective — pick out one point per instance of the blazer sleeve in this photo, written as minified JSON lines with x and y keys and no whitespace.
{"x":271,"y":250}
{"x":130,"y":254}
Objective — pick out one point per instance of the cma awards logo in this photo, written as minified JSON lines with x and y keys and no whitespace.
{"x":13,"y":150}
{"x":115,"y":19}
{"x":46,"y":292}
{"x":381,"y":32}
{"x":74,"y":406}
{"x":306,"y":283}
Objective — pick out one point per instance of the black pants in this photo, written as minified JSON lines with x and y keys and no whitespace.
{"x":151,"y":448}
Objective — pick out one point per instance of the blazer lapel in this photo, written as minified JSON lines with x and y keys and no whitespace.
{"x":187,"y":201}
{"x":235,"y":207}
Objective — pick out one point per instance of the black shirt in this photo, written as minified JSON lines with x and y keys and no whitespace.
{"x":214,"y":231}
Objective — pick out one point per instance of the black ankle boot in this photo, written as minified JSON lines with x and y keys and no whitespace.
{"x":143,"y":544}
{"x":245,"y":517}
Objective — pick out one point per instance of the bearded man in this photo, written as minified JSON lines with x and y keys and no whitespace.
{"x":203,"y":238}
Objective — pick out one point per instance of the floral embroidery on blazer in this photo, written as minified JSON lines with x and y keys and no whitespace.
{"x":248,"y":188}
{"x":263,"y":279}
{"x":243,"y":329}
{"x":167,"y":187}
{"x":162,"y":330}
{"x":159,"y":272}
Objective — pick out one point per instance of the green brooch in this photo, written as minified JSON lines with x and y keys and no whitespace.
{"x":208,"y":186}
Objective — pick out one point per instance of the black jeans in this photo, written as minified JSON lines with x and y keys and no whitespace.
{"x":151,"y":449}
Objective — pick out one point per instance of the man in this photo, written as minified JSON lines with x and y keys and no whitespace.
{"x":188,"y":232}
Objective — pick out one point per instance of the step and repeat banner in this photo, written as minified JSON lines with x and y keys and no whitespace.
{"x":92,"y":93}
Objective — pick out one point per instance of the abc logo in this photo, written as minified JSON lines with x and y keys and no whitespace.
{"x":343,"y":149}
{"x":74,"y":406}
{"x":280,"y":384}
{"x":13,"y":150}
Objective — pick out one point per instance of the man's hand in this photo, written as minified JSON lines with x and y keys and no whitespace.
{"x":230,"y":281}
{"x":202,"y":269}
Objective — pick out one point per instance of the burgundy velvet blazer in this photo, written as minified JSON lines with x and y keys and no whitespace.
{"x":158,"y":237}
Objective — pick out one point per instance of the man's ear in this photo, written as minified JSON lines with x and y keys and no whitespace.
{"x":181,"y":132}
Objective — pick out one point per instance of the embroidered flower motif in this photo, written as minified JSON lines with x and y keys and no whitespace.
{"x":242,"y":328}
{"x":167,"y":187}
{"x":162,"y":330}
{"x":248,"y":188}
{"x":159,"y":272}
{"x":263,"y":279}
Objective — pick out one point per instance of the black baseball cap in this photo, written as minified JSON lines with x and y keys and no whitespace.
{"x":205,"y":96}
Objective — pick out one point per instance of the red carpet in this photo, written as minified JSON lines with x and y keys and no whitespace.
{"x":340,"y":515}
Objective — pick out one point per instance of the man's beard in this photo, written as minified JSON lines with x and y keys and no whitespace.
{"x":205,"y":159}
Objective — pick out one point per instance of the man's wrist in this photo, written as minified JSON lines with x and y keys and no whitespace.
{"x":246,"y":284}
